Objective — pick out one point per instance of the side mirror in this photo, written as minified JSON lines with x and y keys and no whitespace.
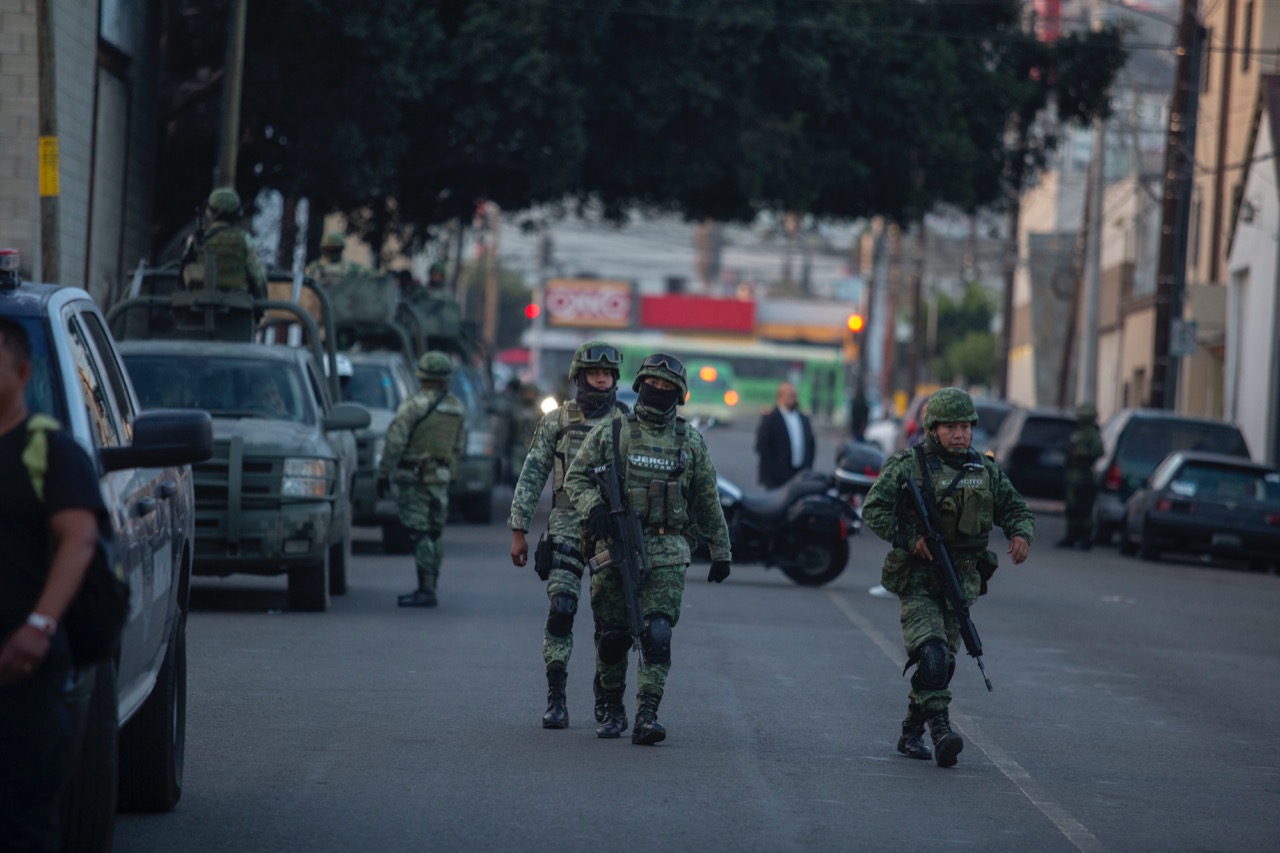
{"x":163,"y":437}
{"x":346,"y":416}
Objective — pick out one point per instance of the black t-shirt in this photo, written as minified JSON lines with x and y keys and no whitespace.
{"x":71,"y":482}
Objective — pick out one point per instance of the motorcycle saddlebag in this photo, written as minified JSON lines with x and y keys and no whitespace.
{"x":816,"y":518}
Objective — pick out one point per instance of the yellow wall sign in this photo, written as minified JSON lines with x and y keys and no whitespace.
{"x":48,"y":166}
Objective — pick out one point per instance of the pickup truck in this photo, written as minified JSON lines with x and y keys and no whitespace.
{"x":130,"y":712}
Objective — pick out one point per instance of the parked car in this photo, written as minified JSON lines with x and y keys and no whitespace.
{"x":1135,"y":441}
{"x":1206,"y":503}
{"x":471,"y":492}
{"x":1031,"y":449}
{"x":130,"y":713}
{"x":380,"y":382}
{"x":276,"y":496}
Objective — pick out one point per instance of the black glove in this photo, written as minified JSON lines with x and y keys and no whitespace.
{"x":719,"y":571}
{"x":383,"y":487}
{"x":598,"y":522}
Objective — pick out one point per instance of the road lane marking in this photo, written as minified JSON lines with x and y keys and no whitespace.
{"x":1072,"y":829}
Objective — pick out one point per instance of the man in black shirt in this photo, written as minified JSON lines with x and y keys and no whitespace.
{"x":47,"y":540}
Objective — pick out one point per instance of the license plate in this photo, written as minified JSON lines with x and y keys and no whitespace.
{"x":1226,"y":540}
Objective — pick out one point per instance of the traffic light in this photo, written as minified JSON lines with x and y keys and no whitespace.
{"x":853,"y":325}
{"x":532,"y":310}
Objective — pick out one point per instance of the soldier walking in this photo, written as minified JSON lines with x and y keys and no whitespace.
{"x":1084,"y":447}
{"x":667,"y":474}
{"x":971,"y":494}
{"x":559,"y":561}
{"x":421,"y":457}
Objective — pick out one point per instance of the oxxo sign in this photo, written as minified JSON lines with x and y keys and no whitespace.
{"x":588,"y":303}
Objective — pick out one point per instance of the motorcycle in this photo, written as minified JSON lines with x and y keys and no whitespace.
{"x":802,"y":528}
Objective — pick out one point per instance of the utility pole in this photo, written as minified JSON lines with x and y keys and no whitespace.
{"x":48,"y":123}
{"x":494,"y":218}
{"x":232,"y":83}
{"x":1179,"y":161}
{"x":1087,"y":374}
{"x":915,"y":352}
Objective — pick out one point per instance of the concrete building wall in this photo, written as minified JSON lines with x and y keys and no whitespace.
{"x":75,"y":43}
{"x":19,"y":131}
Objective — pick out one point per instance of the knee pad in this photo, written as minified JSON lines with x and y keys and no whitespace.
{"x":935,"y":668}
{"x":560,"y":617}
{"x":656,"y":639}
{"x":615,"y":642}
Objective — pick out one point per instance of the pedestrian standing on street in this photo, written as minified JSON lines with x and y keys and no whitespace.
{"x":594,"y":372}
{"x":971,"y":494}
{"x":859,"y":411}
{"x":784,"y":440}
{"x":667,"y":474}
{"x":46,"y":544}
{"x":1084,"y":447}
{"x":424,"y":442}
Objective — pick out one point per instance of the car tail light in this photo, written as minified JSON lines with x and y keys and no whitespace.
{"x":1164,"y":505}
{"x":1169,"y":505}
{"x":871,"y":471}
{"x":844,"y":528}
{"x":1113,"y":478}
{"x":1273,"y":519}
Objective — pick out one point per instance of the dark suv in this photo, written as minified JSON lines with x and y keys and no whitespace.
{"x":1031,"y":449}
{"x":1135,"y":441}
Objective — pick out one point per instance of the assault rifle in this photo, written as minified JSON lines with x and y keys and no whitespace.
{"x":626,"y":543}
{"x":946,"y":573}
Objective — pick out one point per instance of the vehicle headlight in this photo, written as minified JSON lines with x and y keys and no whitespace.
{"x":379,"y":445}
{"x":306,"y":478}
{"x":479,"y":443}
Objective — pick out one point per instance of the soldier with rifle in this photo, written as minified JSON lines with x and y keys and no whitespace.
{"x":937,"y":503}
{"x":647,"y":489}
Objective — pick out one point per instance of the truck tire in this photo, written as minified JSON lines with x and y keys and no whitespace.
{"x":395,"y":538}
{"x":339,"y":561}
{"x":309,"y":586}
{"x":89,"y":799}
{"x":153,"y":742}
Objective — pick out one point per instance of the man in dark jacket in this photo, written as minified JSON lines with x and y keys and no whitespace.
{"x":784,"y":440}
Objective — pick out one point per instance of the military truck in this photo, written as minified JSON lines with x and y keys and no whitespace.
{"x":276,"y":497}
{"x":372,"y":313}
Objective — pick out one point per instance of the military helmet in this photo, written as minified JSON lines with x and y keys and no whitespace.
{"x":595,"y":354}
{"x":434,"y":365}
{"x":659,"y":365}
{"x":223,"y":203}
{"x":333,"y":240}
{"x":437,"y":267}
{"x":949,"y":406}
{"x":1086,"y":412}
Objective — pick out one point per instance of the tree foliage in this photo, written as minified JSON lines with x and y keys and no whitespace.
{"x":404,"y":113}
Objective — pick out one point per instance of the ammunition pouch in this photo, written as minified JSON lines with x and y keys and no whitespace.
{"x":988,"y":562}
{"x":542,"y":557}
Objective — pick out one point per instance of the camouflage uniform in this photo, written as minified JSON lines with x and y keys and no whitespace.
{"x":1084,"y":447}
{"x":972,"y":495}
{"x":670,"y":482}
{"x":420,"y":457}
{"x":226,"y":248}
{"x":330,"y":268}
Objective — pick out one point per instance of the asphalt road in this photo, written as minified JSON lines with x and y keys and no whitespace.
{"x":1132,"y":711}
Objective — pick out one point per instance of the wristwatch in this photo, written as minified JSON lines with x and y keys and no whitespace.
{"x":46,"y":624}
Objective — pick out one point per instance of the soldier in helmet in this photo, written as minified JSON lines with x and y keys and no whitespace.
{"x":435,"y":281}
{"x":553,"y":445}
{"x":421,"y":456}
{"x":330,"y":267}
{"x":220,"y":255}
{"x":972,"y":494}
{"x":1084,"y":447}
{"x":667,"y":473}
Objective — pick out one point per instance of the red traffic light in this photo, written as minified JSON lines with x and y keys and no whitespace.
{"x":532,"y":310}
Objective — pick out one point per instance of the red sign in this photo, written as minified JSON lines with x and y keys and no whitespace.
{"x":588,"y":303}
{"x":698,"y":313}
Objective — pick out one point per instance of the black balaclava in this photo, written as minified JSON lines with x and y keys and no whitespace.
{"x":594,"y":403}
{"x":658,"y":400}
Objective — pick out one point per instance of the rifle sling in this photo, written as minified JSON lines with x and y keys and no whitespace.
{"x":430,"y":410}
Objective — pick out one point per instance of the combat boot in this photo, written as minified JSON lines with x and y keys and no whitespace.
{"x":648,"y":730}
{"x":420,"y":597}
{"x":613,"y":721}
{"x":912,"y":744}
{"x":602,"y":705}
{"x":557,"y":716}
{"x":946,"y":743}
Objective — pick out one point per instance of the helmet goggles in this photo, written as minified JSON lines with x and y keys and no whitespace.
{"x":601,"y":353}
{"x":666,"y":362}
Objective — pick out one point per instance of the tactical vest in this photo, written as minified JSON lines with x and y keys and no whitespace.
{"x":656,"y":474}
{"x":223,"y":248}
{"x":573,"y":430}
{"x":430,"y":445}
{"x":965,"y":501}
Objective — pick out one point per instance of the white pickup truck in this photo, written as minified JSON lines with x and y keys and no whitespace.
{"x":131,"y":711}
